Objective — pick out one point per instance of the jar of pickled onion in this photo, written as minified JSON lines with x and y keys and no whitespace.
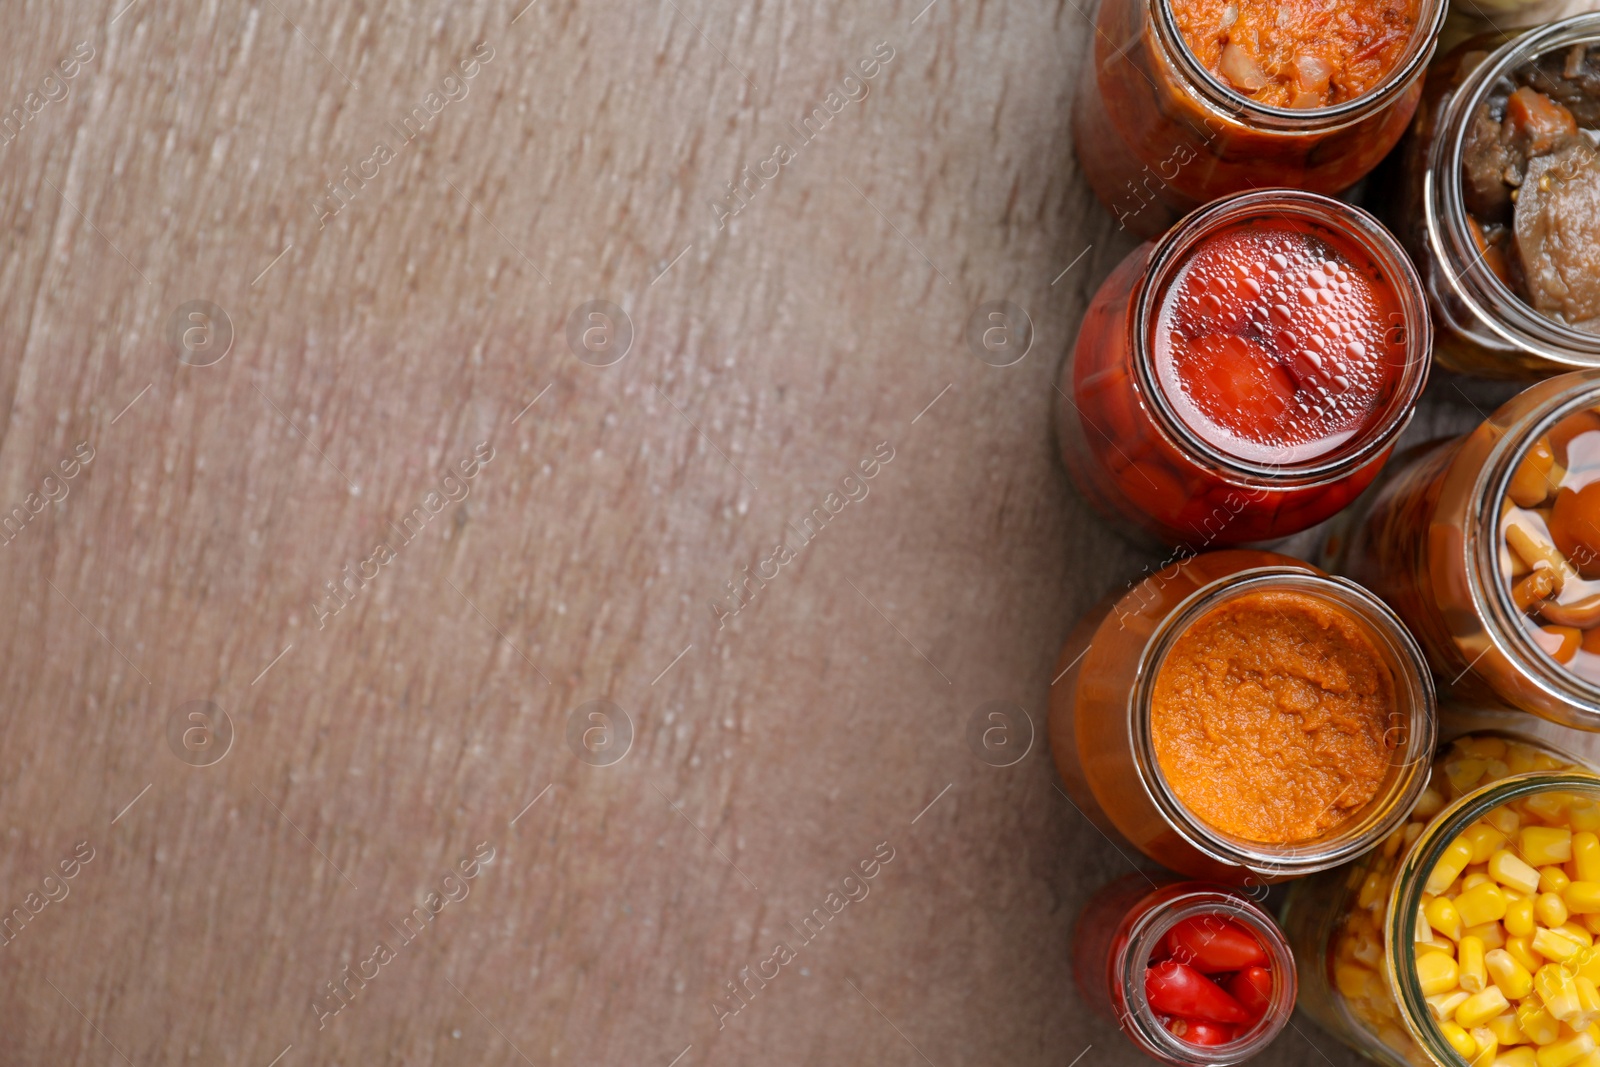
{"x":1468,"y":937}
{"x":1185,"y":101}
{"x":1245,"y":377}
{"x":1488,"y":546}
{"x":1497,"y":201}
{"x":1312,"y":763}
{"x":1195,"y":974}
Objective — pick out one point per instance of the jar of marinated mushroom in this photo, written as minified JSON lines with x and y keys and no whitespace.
{"x":1488,"y":546}
{"x":1500,"y":201}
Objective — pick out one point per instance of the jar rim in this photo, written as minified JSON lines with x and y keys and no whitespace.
{"x":1172,"y":252}
{"x":1236,"y":105}
{"x":1131,"y":958}
{"x":1415,"y":700}
{"x":1577,"y":698}
{"x":1410,"y":879}
{"x":1491,"y":301}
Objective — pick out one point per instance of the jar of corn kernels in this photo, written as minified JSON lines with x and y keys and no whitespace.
{"x":1468,"y":937}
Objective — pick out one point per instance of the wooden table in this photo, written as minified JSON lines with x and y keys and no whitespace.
{"x":283,"y":272}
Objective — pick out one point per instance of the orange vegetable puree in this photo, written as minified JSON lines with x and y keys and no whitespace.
{"x":1269,"y":717}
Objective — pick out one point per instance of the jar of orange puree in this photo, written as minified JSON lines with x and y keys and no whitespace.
{"x":1243,"y":717}
{"x":1469,"y":936}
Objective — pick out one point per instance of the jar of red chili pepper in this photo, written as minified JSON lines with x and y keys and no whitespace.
{"x":1242,"y":717}
{"x":1488,"y":546}
{"x":1194,"y":974}
{"x":1245,"y":377}
{"x":1500,"y":201}
{"x":1184,"y":101}
{"x":1460,"y":940}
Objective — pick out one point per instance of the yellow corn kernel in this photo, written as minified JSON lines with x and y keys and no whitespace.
{"x":1479,"y":1008}
{"x":1488,"y":1048}
{"x":1553,"y":879}
{"x":1432,"y":945}
{"x":1588,"y":1002}
{"x":1551,"y":807}
{"x":1512,"y":977}
{"x":1493,"y":935}
{"x":1555,"y":987}
{"x":1443,"y":917}
{"x":1550,"y":909}
{"x":1428,"y":804}
{"x":1485,"y":747}
{"x":1584,"y":816}
{"x":1486,"y":841}
{"x":1520,"y":758}
{"x":1505,"y":1030}
{"x":1592,"y":1059}
{"x":1459,"y":1040}
{"x":1586,"y":855}
{"x":1522,"y":1056}
{"x":1450,"y":865}
{"x":1353,"y":981}
{"x":1471,"y":974}
{"x":1475,"y":879}
{"x":1587,"y":962}
{"x":1543,"y":761}
{"x":1535,"y":1021}
{"x":1505,"y":820}
{"x":1372,"y":890}
{"x":1444,"y":1005}
{"x":1521,"y":948}
{"x":1578,"y":933}
{"x":1484,"y":903}
{"x":1582,"y":898}
{"x":1543,"y":845}
{"x":1464,"y":773}
{"x":1437,"y":973}
{"x":1518,"y":917}
{"x":1555,"y":945}
{"x":1510,"y":871}
{"x":1566,"y":1052}
{"x":1590,"y":923}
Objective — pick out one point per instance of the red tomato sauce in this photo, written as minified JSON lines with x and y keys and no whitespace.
{"x":1275,"y":342}
{"x":1298,"y":53}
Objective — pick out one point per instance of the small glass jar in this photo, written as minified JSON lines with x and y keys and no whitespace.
{"x":1482,"y":326}
{"x":1353,"y":929}
{"x":1427,"y":540}
{"x":1157,"y":135}
{"x":1100,"y":718}
{"x":1143,"y":465}
{"x":1124,"y":924}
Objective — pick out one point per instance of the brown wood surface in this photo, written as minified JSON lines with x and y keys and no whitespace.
{"x":377,"y":749}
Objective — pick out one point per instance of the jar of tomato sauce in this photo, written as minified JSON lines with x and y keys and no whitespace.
{"x":1246,"y":376}
{"x":1460,"y":940}
{"x":1498,"y":203}
{"x":1196,"y":975}
{"x":1243,"y":717}
{"x":1488,"y":546}
{"x":1185,"y":101}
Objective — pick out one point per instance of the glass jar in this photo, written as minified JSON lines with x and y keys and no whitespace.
{"x":1101,"y":704}
{"x":1157,"y":135}
{"x":1123,"y":926}
{"x":1428,"y":541}
{"x":1482,"y":326}
{"x":1133,"y":447}
{"x":1345,"y":925}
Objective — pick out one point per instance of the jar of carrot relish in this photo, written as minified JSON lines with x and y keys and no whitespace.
{"x":1241,"y":717}
{"x":1499,"y":200}
{"x":1468,"y":937}
{"x":1246,"y":376}
{"x":1488,"y":546}
{"x":1184,"y":101}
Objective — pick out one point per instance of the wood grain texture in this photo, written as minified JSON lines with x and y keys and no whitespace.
{"x":374,"y":349}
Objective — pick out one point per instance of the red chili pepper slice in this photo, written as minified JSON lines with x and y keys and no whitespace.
{"x":1212,"y":944}
{"x":1200,"y":1032}
{"x":1252,"y":988}
{"x":1175,"y":988}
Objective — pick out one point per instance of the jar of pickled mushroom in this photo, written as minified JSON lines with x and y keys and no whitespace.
{"x":1185,"y":101}
{"x":1246,"y":376}
{"x":1500,"y":201}
{"x":1488,"y":546}
{"x":1468,"y":937}
{"x":1242,"y":717}
{"x":1196,"y":975}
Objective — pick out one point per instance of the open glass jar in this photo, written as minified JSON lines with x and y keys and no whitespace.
{"x":1157,"y":134}
{"x":1126,"y":926}
{"x":1137,"y":763}
{"x":1461,"y":219}
{"x":1440,"y":539}
{"x":1245,"y":377}
{"x":1357,"y":931}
